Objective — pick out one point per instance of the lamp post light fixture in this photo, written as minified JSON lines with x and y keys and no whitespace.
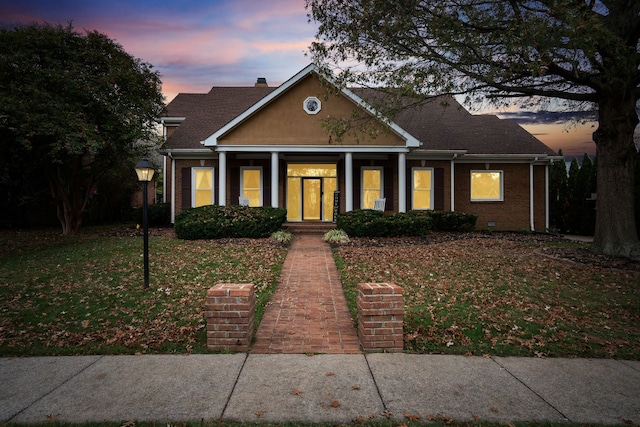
{"x":145,"y":171}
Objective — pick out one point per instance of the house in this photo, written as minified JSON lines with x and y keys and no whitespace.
{"x":266,"y":146}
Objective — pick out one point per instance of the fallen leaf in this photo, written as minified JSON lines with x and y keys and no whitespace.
{"x":297,"y":392}
{"x":260,"y":413}
{"x":335,"y":404}
{"x":412,"y":417}
{"x":355,"y":387}
{"x":330,"y":374}
{"x":52,"y":418}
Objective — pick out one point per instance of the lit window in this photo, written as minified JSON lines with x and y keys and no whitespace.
{"x":371,"y":186}
{"x":251,"y":185}
{"x":487,"y":186}
{"x":202,"y":188}
{"x":422,"y":188}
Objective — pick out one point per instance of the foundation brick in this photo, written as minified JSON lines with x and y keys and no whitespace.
{"x":380,"y":317}
{"x":230,"y":310}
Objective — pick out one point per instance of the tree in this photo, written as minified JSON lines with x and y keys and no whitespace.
{"x":575,"y":53}
{"x":73,"y":107}
{"x":558,"y":195}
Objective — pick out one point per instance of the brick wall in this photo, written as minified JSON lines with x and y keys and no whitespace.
{"x":229,"y":310}
{"x":380,"y":317}
{"x":510,"y":214}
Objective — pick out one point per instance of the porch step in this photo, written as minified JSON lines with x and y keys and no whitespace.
{"x":308,"y":227}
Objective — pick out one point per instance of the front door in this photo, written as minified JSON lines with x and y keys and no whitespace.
{"x":310,"y":188}
{"x":312,"y":199}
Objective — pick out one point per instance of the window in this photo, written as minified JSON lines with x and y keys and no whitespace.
{"x":487,"y":186}
{"x":422,"y":188}
{"x":312,"y":105}
{"x":251,"y":185}
{"x":202,"y":188}
{"x":371,"y":187}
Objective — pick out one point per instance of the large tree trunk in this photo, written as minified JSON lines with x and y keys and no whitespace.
{"x":615,"y":232}
{"x":71,"y":200}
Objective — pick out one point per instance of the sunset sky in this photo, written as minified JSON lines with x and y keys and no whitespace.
{"x":198,"y":44}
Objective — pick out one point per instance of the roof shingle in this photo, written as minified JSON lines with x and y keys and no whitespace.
{"x":439,"y":124}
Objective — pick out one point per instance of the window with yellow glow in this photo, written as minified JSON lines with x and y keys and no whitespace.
{"x":422,"y":188}
{"x":202,"y":188}
{"x":371,"y":186}
{"x":487,"y":186}
{"x":251,"y":185}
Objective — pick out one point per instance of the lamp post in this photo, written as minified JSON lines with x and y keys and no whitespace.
{"x":145,"y":171}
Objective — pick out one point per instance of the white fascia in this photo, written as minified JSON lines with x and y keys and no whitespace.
{"x":212,"y":140}
{"x":506,"y":158}
{"x":189,"y":153}
{"x":166,"y":121}
{"x":324,"y":149}
{"x":436,"y":154}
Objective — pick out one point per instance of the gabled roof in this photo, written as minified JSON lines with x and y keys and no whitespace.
{"x":206,"y":113}
{"x":440,"y":124}
{"x":213,"y":139}
{"x":443,"y":124}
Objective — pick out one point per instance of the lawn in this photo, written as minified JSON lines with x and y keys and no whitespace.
{"x":501,"y":294}
{"x":505,"y":294}
{"x":85,"y":294}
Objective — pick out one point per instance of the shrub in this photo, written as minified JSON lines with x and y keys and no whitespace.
{"x":336,"y":236}
{"x":282,"y":236}
{"x":362,"y":222}
{"x":158,"y":215}
{"x":216,"y":222}
{"x":453,"y":221}
{"x":372,"y":223}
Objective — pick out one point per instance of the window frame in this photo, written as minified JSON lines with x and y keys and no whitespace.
{"x":431,"y":190}
{"x":500,"y":198}
{"x":362,"y":188}
{"x":258,"y":168}
{"x":194,"y":186}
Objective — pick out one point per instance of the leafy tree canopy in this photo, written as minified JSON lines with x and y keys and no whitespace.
{"x":74,"y":106}
{"x":581,"y":53}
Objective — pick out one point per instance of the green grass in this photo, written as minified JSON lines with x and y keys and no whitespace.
{"x":497,"y":295}
{"x":85,"y":294}
{"x":483,"y":295}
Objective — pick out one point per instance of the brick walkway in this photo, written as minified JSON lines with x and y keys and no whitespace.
{"x":308,"y":312}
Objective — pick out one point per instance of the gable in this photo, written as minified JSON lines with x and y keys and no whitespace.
{"x":283,"y":120}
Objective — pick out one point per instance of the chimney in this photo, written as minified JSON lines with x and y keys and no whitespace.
{"x":262,"y":82}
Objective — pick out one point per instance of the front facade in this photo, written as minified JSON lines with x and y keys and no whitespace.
{"x":265,"y":146}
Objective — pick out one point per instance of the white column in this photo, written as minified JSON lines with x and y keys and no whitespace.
{"x":274,"y":180}
{"x":222,"y":178}
{"x":173,"y":190}
{"x":348,"y":182}
{"x":402,"y":182}
{"x":453,"y":184}
{"x":531,"y":210}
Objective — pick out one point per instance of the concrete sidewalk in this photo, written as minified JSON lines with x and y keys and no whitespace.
{"x":329,"y":387}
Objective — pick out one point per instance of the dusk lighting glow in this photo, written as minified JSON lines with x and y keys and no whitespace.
{"x":196,"y":45}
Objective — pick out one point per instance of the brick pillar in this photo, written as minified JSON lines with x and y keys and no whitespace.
{"x":229,"y":311}
{"x":380,"y":317}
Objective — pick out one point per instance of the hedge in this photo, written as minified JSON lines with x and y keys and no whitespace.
{"x":373,"y":223}
{"x":217,"y":222}
{"x":453,"y":221}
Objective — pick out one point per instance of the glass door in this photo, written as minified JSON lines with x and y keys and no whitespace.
{"x":310,"y":188}
{"x":312,"y":199}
